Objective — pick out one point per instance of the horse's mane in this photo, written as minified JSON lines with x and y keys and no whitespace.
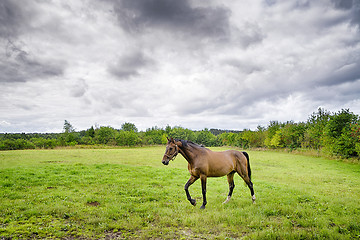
{"x":185,"y":143}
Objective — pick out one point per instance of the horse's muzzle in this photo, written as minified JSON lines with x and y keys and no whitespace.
{"x":165,"y":160}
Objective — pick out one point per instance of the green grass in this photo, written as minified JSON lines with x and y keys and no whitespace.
{"x":128,"y":193}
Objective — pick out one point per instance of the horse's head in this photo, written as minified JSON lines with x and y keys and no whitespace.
{"x":171,"y":151}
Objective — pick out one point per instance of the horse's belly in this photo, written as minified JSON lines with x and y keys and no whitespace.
{"x":218,"y":174}
{"x":221,"y":170}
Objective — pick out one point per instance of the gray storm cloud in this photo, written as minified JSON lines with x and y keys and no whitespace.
{"x":130,"y":65}
{"x":221,"y":64}
{"x":20,"y":66}
{"x":136,"y":16}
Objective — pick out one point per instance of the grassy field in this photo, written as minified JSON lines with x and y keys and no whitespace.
{"x":128,"y":193}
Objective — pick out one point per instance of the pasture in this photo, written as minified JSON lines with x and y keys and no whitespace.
{"x":128,"y":193}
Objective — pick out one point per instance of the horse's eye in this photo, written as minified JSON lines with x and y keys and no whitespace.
{"x":171,"y":149}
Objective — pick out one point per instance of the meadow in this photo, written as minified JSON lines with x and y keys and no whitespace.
{"x":126,"y":193}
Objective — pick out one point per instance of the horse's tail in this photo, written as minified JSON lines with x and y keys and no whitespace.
{"x":248,"y":164}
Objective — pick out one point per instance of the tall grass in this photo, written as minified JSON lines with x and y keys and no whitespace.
{"x":128,"y":193}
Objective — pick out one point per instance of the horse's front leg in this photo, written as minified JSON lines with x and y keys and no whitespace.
{"x":187,"y":185}
{"x":203,"y":186}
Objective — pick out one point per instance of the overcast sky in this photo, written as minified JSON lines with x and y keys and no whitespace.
{"x":197,"y":64}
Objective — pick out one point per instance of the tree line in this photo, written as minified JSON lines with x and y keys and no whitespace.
{"x":332,"y":133}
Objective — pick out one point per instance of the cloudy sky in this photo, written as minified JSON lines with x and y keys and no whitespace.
{"x":191,"y":63}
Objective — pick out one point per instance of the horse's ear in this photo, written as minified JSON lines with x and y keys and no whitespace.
{"x":172,"y":140}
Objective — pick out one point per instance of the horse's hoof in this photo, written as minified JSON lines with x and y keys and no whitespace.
{"x":227,"y":200}
{"x":253,"y":199}
{"x":193,"y":202}
{"x":202,"y":207}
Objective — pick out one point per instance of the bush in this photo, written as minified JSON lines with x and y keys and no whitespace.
{"x":153,"y":136}
{"x":16,"y":144}
{"x":105,"y":135}
{"x":206,"y":138}
{"x":44,"y":143}
{"x":342,"y":134}
{"x":127,"y":138}
{"x":182,"y":133}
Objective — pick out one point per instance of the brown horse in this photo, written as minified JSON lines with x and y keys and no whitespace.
{"x":203,"y":163}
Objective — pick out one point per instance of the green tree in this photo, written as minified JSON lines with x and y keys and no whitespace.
{"x":105,"y":135}
{"x":227,"y":139}
{"x":355,"y":135}
{"x":68,"y":128}
{"x":293,"y":134}
{"x":251,"y":139}
{"x":273,"y":128}
{"x":154,"y":135}
{"x":90,"y":132}
{"x":168,"y":130}
{"x":16,"y":144}
{"x":338,"y":133}
{"x":244,"y":138}
{"x":40,"y":142}
{"x":277,"y":140}
{"x":69,"y":136}
{"x":315,"y":125}
{"x":129,"y":127}
{"x":182,"y":133}
{"x":127,"y":138}
{"x":206,"y":138}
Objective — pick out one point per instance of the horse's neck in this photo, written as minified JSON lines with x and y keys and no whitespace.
{"x":188,"y":153}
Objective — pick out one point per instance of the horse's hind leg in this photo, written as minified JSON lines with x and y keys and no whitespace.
{"x":203,"y":186}
{"x":245,"y":172}
{"x":250,"y":185}
{"x":230,"y":178}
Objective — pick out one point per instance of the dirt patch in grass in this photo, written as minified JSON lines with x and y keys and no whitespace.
{"x":93,"y":203}
{"x":52,"y":161}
